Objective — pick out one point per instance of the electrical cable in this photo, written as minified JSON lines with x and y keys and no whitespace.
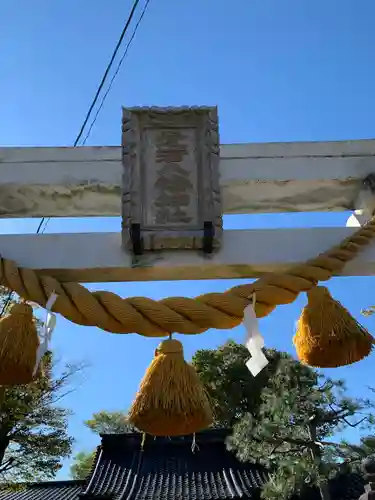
{"x":44,"y":221}
{"x":117,"y":71}
{"x":107,"y":71}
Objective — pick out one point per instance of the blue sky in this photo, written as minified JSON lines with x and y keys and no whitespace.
{"x":287,"y":70}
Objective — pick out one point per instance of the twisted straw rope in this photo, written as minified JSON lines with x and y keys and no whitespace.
{"x":152,"y":318}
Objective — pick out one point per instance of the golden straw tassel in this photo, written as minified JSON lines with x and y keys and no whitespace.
{"x":327,"y":334}
{"x":172,"y":400}
{"x":19,"y":343}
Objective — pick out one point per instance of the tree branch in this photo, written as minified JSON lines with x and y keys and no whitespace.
{"x":327,"y":386}
{"x":336,"y":415}
{"x":278,"y":441}
{"x":6,"y":466}
{"x":331,"y":443}
{"x":357,"y":423}
{"x":283,"y":452}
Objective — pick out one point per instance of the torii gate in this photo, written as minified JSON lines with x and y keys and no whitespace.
{"x":253,"y":178}
{"x":172,"y":181}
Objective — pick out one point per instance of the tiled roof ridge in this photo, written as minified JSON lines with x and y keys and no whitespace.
{"x":135,"y":438}
{"x":94,"y":462}
{"x":91,"y":475}
{"x":62,"y":483}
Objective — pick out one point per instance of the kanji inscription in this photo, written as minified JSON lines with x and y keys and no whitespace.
{"x":171,"y":178}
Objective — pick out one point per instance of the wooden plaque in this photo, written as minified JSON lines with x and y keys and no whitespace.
{"x":171,"y":176}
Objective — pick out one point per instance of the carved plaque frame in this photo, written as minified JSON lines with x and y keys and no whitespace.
{"x":171,"y":176}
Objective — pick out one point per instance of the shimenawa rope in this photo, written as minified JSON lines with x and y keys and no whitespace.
{"x":152,"y":318}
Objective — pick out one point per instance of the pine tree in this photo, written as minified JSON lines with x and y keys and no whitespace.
{"x":291,"y":432}
{"x":109,"y":422}
{"x":234,"y":392}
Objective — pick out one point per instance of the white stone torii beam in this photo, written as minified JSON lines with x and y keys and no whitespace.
{"x":99,"y":258}
{"x":254,"y":178}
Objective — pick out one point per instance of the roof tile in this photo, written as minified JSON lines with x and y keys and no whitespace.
{"x":167,"y":469}
{"x":53,"y":490}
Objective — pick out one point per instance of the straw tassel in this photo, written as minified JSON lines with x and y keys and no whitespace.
{"x":171,"y":400}
{"x":19,"y":343}
{"x":327,"y":335}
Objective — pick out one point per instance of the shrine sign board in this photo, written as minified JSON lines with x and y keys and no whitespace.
{"x":171,"y":188}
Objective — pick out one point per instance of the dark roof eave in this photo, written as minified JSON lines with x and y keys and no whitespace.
{"x":209,"y":435}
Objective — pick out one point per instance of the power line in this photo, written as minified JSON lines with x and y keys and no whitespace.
{"x":103,"y":80}
{"x":106,"y":73}
{"x":117,"y":71}
{"x":107,"y":70}
{"x":44,"y":221}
